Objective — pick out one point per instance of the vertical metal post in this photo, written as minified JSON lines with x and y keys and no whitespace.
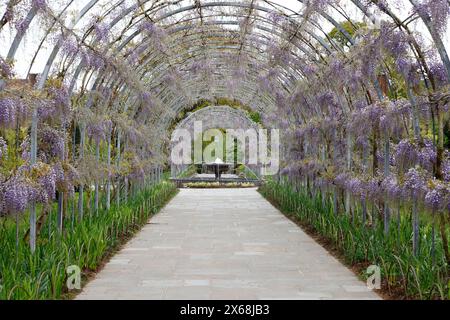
{"x":60,"y":212}
{"x":118,"y":168}
{"x":349,"y":168}
{"x":415,"y":226}
{"x":97,"y":187}
{"x":81,"y":187}
{"x":387,"y":170}
{"x":33,"y":160}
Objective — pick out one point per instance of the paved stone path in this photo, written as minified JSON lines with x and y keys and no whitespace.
{"x":224,"y":244}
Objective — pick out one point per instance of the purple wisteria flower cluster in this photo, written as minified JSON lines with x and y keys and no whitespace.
{"x":69,"y":46}
{"x":58,"y":105}
{"x":202,"y":67}
{"x":415,"y":183}
{"x":439,"y":72}
{"x":413,"y":161}
{"x":446,"y":170}
{"x":16,"y":194}
{"x":156,"y":34}
{"x":6,"y":70}
{"x":66,"y":177}
{"x":12,"y":110}
{"x":409,"y":154}
{"x":99,"y":129}
{"x":40,"y":4}
{"x":382,"y":115}
{"x":7,"y":112}
{"x":52,"y":143}
{"x":48,"y":184}
{"x":35,"y":184}
{"x":22,"y":26}
{"x":437,"y":10}
{"x":435,"y":195}
{"x":437,"y":198}
{"x":60,"y":97}
{"x":92,"y":60}
{"x":101,"y":31}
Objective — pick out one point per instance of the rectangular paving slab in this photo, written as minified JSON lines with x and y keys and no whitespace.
{"x":224,"y":244}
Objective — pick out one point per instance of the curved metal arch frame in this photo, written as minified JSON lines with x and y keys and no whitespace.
{"x":175,"y":12}
{"x":91,"y":4}
{"x":129,"y":40}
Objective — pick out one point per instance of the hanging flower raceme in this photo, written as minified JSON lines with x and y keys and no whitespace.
{"x":391,"y":188}
{"x":101,"y":31}
{"x":98,"y":129}
{"x":446,"y":170}
{"x":51,"y":143}
{"x":356,"y":187}
{"x":8,"y":112}
{"x":57,"y":104}
{"x":437,"y":11}
{"x":336,"y":67}
{"x":329,"y":102}
{"x":40,"y":4}
{"x":134,"y":135}
{"x":5,"y":69}
{"x":3,"y":149}
{"x":60,"y":97}
{"x":374,"y":190}
{"x":392,"y":115}
{"x":409,"y":155}
{"x":201,"y":67}
{"x":362,"y":142}
{"x":267,"y":82}
{"x":279,"y":55}
{"x":69,"y":46}
{"x":439,"y":72}
{"x":394,"y":41}
{"x":341,"y":180}
{"x":427,"y":155}
{"x":46,"y":109}
{"x":137,"y":171}
{"x":406,"y":155}
{"x":12,"y":110}
{"x":45,"y":177}
{"x":66,"y":177}
{"x":16,"y":194}
{"x":367,"y":116}
{"x":309,"y":70}
{"x":438,"y":197}
{"x":293,"y":170}
{"x":9,"y":14}
{"x":22,"y":26}
{"x":25,"y":149}
{"x":415,"y":185}
{"x":92,"y":60}
{"x":317,"y":5}
{"x":148,"y":102}
{"x":157,"y":34}
{"x":132,"y":56}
